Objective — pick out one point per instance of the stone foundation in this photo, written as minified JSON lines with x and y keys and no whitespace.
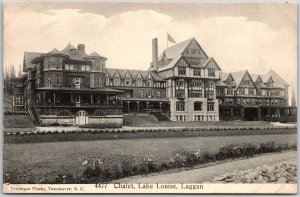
{"x":71,"y":121}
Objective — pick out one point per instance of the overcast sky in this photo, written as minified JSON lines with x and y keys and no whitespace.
{"x":254,"y":36}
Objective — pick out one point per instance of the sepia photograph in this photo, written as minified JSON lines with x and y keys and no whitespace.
{"x":153,"y":97}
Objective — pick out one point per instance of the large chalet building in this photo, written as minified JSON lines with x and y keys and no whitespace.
{"x":182,"y":84}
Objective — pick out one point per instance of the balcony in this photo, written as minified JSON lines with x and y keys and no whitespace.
{"x":80,"y":105}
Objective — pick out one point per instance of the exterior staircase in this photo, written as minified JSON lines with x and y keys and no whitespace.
{"x":160,"y":116}
{"x":34,"y":115}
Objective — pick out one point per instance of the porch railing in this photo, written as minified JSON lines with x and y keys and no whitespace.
{"x":37,"y":113}
{"x":110,"y":105}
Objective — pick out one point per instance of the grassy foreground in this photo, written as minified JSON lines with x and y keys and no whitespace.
{"x":33,"y":163}
{"x":92,"y":135}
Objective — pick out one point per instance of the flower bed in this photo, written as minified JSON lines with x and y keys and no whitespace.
{"x":98,"y":170}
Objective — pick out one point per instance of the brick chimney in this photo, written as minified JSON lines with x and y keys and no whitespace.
{"x":81,"y":47}
{"x":154,"y":54}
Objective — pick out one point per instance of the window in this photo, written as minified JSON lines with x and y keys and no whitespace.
{"x":139,"y":82}
{"x":158,"y":94}
{"x":64,"y":113}
{"x":210,"y":90}
{"x":181,"y":71}
{"x":195,"y":89}
{"x":229,"y":92}
{"x":149,"y":83}
{"x":259,"y":93}
{"x":99,"y":113}
{"x":210,"y":106}
{"x":67,"y":67}
{"x":180,"y":106}
{"x":19,"y":100}
{"x":38,"y":83}
{"x":107,"y":81}
{"x":116,"y":81}
{"x":127,"y":94}
{"x":211,"y":72}
{"x":127,"y":82}
{"x":251,"y":91}
{"x":87,"y":67}
{"x":75,"y":67}
{"x":57,"y":81}
{"x":77,"y":81}
{"x":197,"y":72}
{"x":141,"y":94}
{"x":198,"y":106}
{"x":241,"y":91}
{"x":71,"y":67}
{"x":98,"y":81}
{"x":49,"y":81}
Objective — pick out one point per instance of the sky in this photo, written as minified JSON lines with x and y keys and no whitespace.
{"x":252,"y":36}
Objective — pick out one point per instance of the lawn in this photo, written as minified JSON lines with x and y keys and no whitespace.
{"x":37,"y":161}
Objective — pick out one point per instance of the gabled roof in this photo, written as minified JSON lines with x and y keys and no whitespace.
{"x":209,"y":60}
{"x":278,"y":81}
{"x":238,"y":76}
{"x":28,"y":57}
{"x":111,"y":72}
{"x":53,"y":51}
{"x":255,"y":77}
{"x":177,"y":49}
{"x":171,"y":64}
{"x":265,"y":78}
{"x":78,"y":53}
{"x":67,"y":48}
{"x":95,"y":54}
{"x":224,"y":76}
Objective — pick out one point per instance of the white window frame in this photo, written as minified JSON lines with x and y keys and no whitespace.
{"x":98,"y":81}
{"x":19,"y":100}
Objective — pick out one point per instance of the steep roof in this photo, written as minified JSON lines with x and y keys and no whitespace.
{"x":209,"y":60}
{"x":170,"y":65}
{"x":95,"y":54}
{"x":77,"y":55}
{"x":177,"y":49}
{"x":278,"y":81}
{"x":28,"y":57}
{"x":238,"y":76}
{"x":224,"y":76}
{"x":254,"y":77}
{"x":54,"y":51}
{"x":133,"y":73}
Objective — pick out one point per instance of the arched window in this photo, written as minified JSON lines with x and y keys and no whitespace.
{"x":64,"y":113}
{"x":99,"y":113}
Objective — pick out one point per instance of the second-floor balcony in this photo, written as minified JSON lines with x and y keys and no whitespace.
{"x":82,"y":105}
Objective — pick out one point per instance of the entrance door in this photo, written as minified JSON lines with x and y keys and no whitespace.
{"x":251,"y":114}
{"x":82,"y":118}
{"x":77,"y":100}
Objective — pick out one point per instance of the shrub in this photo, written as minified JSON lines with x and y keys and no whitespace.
{"x":97,"y":171}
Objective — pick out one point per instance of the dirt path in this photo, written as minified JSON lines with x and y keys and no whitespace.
{"x":208,"y":173}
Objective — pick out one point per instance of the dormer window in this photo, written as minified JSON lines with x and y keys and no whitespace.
{"x":181,"y":71}
{"x":211,"y":72}
{"x":73,"y":51}
{"x":116,"y":81}
{"x":127,"y":82}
